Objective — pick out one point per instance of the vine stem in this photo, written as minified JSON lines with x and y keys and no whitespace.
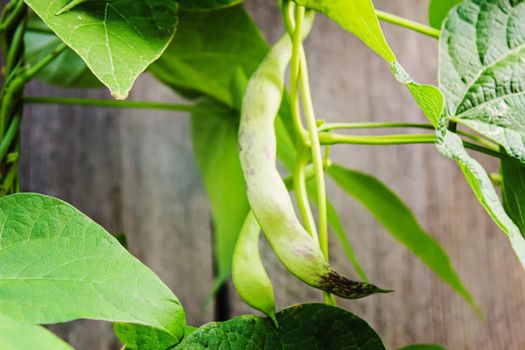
{"x":389,"y":140}
{"x":315,"y":146}
{"x":409,"y":24}
{"x":379,"y":125}
{"x":108,"y":103}
{"x":295,"y":70}
{"x":294,"y":17}
{"x":299,"y":184}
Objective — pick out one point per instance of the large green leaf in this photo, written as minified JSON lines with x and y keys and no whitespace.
{"x":67,"y":70}
{"x":438,"y":11}
{"x":118,"y":40}
{"x":58,"y":265}
{"x":482,"y":64}
{"x":17,"y":335}
{"x":215,"y":143}
{"x":398,"y":219}
{"x":513,"y":191}
{"x":209,"y":52}
{"x":359,"y":17}
{"x":207,"y":4}
{"x":302,"y":327}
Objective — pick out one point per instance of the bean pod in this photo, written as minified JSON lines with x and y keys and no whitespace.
{"x":267,"y":194}
{"x":249,"y":276}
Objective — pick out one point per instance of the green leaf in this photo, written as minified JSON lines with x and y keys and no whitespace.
{"x":339,"y":230}
{"x":215,"y":144}
{"x":302,"y":327}
{"x":337,"y":227}
{"x":67,"y":70}
{"x":200,"y":5}
{"x":209,"y":50}
{"x":513,"y":191}
{"x":136,"y":337}
{"x":438,"y":11}
{"x":17,"y":335}
{"x":481,"y":64}
{"x":428,"y":97}
{"x":451,"y":146}
{"x":423,"y":347}
{"x":397,"y":218}
{"x":359,"y":17}
{"x":118,"y":40}
{"x":58,"y":265}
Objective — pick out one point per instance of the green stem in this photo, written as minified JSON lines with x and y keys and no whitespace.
{"x":10,"y":135}
{"x":295,"y":70}
{"x":299,"y":184}
{"x":109,"y":103}
{"x":379,"y":125}
{"x":37,"y":67}
{"x":373,"y":125}
{"x":406,"y":23}
{"x":317,"y":157}
{"x":388,"y":140}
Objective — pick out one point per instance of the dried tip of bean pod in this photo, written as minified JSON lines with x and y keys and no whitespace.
{"x":343,"y":287}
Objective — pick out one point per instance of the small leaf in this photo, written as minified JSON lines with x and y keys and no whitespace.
{"x":301,"y":327}
{"x":428,"y":97}
{"x":438,"y":11}
{"x":481,"y":65}
{"x":57,"y":265}
{"x":397,"y":218}
{"x":208,"y":51}
{"x":207,"y":5}
{"x":17,"y":335}
{"x":136,"y":337}
{"x":338,"y":229}
{"x":118,"y":40}
{"x":359,"y":18}
{"x":215,"y":144}
{"x":67,"y":70}
{"x":513,"y":191}
{"x":451,"y":146}
{"x":423,"y":347}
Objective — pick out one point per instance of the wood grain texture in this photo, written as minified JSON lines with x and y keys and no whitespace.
{"x":133,"y":172}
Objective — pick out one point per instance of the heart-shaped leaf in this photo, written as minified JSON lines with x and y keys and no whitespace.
{"x":482,"y":65}
{"x":57,"y":265}
{"x":301,"y":327}
{"x":118,"y":40}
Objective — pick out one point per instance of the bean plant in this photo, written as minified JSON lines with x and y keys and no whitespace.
{"x":256,"y":139}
